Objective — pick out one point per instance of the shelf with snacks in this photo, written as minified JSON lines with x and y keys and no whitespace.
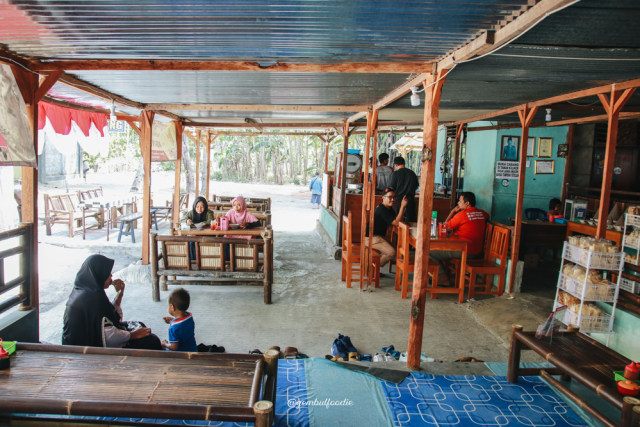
{"x":631,"y":238}
{"x":588,"y":265}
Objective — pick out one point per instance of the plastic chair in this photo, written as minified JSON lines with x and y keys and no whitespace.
{"x":534,"y":213}
{"x":494,"y":263}
{"x":351,"y":265}
{"x":405,"y":263}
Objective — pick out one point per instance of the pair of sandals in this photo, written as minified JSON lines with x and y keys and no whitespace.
{"x":352,"y":356}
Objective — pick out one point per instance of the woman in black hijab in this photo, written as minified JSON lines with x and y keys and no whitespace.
{"x":200,"y":213}
{"x":90,"y":319}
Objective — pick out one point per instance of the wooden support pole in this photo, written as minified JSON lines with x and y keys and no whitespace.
{"x":343,"y":181}
{"x":198,"y":134}
{"x":326,"y":156}
{"x":372,"y":118}
{"x":145,"y":146}
{"x":454,"y":167}
{"x":612,"y":106}
{"x":371,"y":182}
{"x":526,"y":115}
{"x":567,"y":162}
{"x":28,"y":85}
{"x":433,"y":92}
{"x":175,"y":211}
{"x":208,"y":175}
{"x":155,"y":289}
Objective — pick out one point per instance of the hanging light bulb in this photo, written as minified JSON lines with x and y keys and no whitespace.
{"x":547,"y":118}
{"x":112,"y":109}
{"x":415,"y":98}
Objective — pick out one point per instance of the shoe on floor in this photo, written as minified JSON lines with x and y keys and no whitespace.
{"x":255,"y":351}
{"x":389,"y":358}
{"x":378,"y":357}
{"x":216,"y":349}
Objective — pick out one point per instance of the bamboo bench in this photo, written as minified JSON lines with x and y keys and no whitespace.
{"x":63,"y":208}
{"x":250,"y":260}
{"x":74,"y":381}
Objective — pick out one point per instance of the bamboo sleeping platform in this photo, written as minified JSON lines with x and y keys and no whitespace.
{"x":69,"y":380}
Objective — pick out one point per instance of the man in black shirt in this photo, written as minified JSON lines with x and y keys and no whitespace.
{"x":404,"y":182}
{"x":383,"y":217}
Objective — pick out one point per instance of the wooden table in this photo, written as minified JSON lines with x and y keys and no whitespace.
{"x":71,"y":380}
{"x":575,"y":355}
{"x":540,"y":234}
{"x":452,"y":243}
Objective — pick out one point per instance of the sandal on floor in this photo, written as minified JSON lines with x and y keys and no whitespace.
{"x":290,"y":352}
{"x":255,"y":351}
{"x":353,"y":357}
{"x":337,"y":358}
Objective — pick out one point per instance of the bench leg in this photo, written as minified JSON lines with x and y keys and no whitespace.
{"x":133,"y":232}
{"x":514,"y":355}
{"x":120,"y":234}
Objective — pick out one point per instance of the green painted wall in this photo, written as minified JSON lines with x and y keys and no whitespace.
{"x":538,"y":188}
{"x":480,"y":164}
{"x":329,"y":223}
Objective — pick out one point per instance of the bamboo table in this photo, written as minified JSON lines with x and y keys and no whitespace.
{"x":108,"y":382}
{"x":578,"y":356}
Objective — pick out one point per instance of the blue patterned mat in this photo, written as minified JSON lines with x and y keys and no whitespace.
{"x":444,"y":400}
{"x":420,"y":400}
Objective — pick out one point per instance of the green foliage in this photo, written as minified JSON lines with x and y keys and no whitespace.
{"x":92,"y":160}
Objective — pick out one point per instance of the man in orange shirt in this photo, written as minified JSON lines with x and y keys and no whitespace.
{"x":467,"y":222}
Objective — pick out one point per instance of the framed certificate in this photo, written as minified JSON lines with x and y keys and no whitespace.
{"x":544,"y":166}
{"x":545,"y":145}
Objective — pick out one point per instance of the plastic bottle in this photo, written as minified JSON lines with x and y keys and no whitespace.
{"x":434,"y":224}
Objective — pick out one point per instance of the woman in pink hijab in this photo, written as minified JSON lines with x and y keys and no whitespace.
{"x":240,"y":215}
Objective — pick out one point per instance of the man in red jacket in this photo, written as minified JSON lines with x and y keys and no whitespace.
{"x":467,"y":222}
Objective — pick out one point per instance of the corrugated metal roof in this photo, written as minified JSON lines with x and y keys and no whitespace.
{"x":590,"y":43}
{"x":267,"y":30}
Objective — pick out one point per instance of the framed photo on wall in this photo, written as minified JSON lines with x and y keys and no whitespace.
{"x":544,"y":166}
{"x":531,"y":145}
{"x":545,"y":145}
{"x":509,"y":148}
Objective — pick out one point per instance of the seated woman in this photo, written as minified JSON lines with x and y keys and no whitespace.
{"x":90,"y":319}
{"x":241,"y":216}
{"x":199,"y":214}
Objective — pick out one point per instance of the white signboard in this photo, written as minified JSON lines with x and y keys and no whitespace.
{"x":506,"y":170}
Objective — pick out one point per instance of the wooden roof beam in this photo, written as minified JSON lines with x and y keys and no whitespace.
{"x":338,"y":125}
{"x":250,"y":107}
{"x":555,"y":99}
{"x":143,"y":64}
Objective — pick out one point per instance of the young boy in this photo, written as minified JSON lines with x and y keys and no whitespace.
{"x":181,"y":331}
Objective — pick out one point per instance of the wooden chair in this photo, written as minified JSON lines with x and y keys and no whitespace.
{"x":454,"y":264}
{"x":405,"y":263}
{"x":494,"y":263}
{"x":351,"y":265}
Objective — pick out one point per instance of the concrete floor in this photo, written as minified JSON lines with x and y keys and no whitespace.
{"x":310,"y":303}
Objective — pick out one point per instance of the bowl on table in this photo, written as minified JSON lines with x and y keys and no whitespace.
{"x":234,"y":226}
{"x":628,"y":388}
